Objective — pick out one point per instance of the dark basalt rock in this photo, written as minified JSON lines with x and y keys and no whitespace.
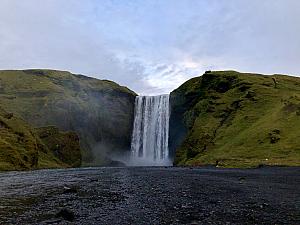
{"x":274,"y":136}
{"x":66,"y":214}
{"x":8,"y":115}
{"x":70,"y":190}
{"x":115,"y":163}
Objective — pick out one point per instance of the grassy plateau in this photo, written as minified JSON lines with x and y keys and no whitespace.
{"x":232,"y":119}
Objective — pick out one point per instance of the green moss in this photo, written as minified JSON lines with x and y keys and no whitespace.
{"x":64,"y":145}
{"x":18,"y":144}
{"x":99,"y":111}
{"x":49,"y":161}
{"x":239,"y":120}
{"x":24,"y":148}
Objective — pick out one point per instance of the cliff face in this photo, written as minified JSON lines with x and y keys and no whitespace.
{"x":18,"y":144}
{"x":99,"y":111}
{"x":64,"y":145}
{"x":21,"y":147}
{"x":232,"y":119}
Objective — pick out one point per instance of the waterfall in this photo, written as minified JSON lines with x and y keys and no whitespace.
{"x":149,"y":144}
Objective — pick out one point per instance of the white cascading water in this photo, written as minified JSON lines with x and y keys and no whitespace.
{"x":149,"y":144}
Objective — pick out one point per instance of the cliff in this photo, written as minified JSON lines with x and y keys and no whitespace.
{"x":232,"y":119}
{"x":99,"y":111}
{"x":22,"y":149}
{"x":64,"y":145}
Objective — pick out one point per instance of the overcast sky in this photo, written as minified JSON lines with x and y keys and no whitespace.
{"x":151,"y":46}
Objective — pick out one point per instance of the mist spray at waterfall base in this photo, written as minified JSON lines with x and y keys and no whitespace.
{"x":149,"y":144}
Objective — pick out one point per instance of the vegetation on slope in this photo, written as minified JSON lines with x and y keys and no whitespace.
{"x":18,"y":145}
{"x":21,"y":148}
{"x":99,"y":111}
{"x":64,"y":145}
{"x":233,"y":119}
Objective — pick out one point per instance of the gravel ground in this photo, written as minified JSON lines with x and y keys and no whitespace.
{"x":151,"y":195}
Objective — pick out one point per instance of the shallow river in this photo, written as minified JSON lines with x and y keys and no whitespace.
{"x":151,"y":195}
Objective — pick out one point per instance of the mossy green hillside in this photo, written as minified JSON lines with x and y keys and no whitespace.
{"x":233,"y":119}
{"x":22,"y":149}
{"x":99,"y":111}
{"x":18,"y":145}
{"x":64,"y":145}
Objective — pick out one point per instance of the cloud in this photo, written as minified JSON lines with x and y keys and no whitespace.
{"x":151,"y":46}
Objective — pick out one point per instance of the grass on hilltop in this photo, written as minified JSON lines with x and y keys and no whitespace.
{"x":99,"y":111}
{"x":240,"y":120}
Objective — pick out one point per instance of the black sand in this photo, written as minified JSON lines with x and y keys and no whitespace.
{"x":151,"y":196}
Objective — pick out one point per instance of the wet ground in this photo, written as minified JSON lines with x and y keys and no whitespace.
{"x":151,"y":196}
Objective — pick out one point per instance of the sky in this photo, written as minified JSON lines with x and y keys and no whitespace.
{"x":151,"y":46}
